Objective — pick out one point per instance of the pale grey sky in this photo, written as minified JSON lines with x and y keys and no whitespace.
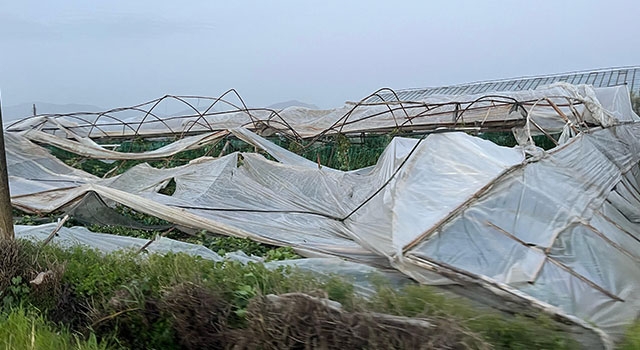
{"x":118,"y":53}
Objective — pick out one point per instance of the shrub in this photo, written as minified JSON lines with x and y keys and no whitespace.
{"x":503,"y":332}
{"x":179,"y":301}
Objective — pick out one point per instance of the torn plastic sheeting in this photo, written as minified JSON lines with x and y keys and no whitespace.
{"x":249,"y":222}
{"x":427,"y":113}
{"x":510,"y":254}
{"x":86,"y":147}
{"x":590,"y":255}
{"x":442,"y":174}
{"x":34,"y":171}
{"x":553,"y":284}
{"x":56,"y":198}
{"x":497,"y":220}
{"x":259,"y":189}
{"x":362,"y":276}
{"x":49,"y":201}
{"x":482,"y":250}
{"x":538,"y":200}
{"x":512,"y":300}
{"x":81,"y":236}
{"x":259,"y":227}
{"x":29,"y":161}
{"x":601,"y":106}
{"x":320,"y":235}
{"x":191,"y":179}
{"x":615,"y":232}
{"x":280,"y":154}
{"x":566,"y":187}
{"x":438,"y":182}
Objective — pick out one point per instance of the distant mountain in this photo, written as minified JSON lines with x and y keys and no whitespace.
{"x":26,"y":109}
{"x":292,"y":103}
{"x":190,"y":111}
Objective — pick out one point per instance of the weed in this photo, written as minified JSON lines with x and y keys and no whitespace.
{"x":298,"y":321}
{"x":26,"y":220}
{"x":507,"y":139}
{"x":159,"y":300}
{"x":199,"y":316}
{"x":632,"y":337}
{"x":635,"y":101}
{"x":502,"y":332}
{"x":24,"y":329}
{"x":16,"y":291}
{"x":281,"y":253}
{"x":142,"y":218}
{"x":123,"y":231}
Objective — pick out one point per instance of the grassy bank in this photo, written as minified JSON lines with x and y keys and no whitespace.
{"x":129,"y":301}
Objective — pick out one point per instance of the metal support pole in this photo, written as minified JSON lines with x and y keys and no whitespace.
{"x":6,"y":213}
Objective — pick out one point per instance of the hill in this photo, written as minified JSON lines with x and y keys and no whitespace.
{"x":291,"y":103}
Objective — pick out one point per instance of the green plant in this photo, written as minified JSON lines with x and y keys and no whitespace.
{"x":631,"y":340}
{"x":500,"y":138}
{"x":635,"y":101}
{"x":227,"y":244}
{"x":16,"y":291}
{"x":24,"y":329}
{"x":342,"y":146}
{"x":142,"y":218}
{"x":26,"y":220}
{"x":336,"y":288}
{"x":23,"y":218}
{"x":124,"y":231}
{"x":135,"y":300}
{"x":281,"y":253}
{"x":514,"y":332}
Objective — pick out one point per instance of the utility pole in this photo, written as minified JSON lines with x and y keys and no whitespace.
{"x":6,"y":213}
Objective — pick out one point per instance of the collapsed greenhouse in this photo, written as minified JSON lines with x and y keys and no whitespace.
{"x":518,"y":228}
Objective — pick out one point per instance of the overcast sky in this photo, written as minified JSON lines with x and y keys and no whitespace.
{"x":118,"y":53}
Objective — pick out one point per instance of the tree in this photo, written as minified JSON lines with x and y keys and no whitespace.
{"x":6,"y":214}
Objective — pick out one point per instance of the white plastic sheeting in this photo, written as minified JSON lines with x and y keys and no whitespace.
{"x":560,"y":231}
{"x":84,"y":146}
{"x":578,"y":104}
{"x":362,"y":276}
{"x":107,"y":243}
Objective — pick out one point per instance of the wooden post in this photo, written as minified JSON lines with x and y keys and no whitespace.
{"x":6,"y":213}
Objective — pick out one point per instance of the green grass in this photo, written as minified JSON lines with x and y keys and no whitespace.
{"x":123,"y":293}
{"x":517,"y":332}
{"x":25,"y":329}
{"x":217,"y":243}
{"x":632,"y":337}
{"x":136,"y":283}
